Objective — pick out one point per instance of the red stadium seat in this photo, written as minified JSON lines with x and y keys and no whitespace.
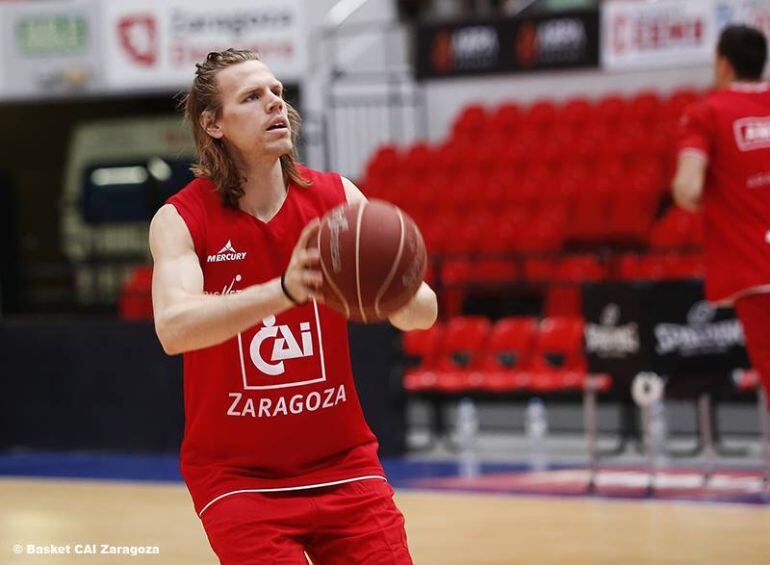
{"x":451,"y":155}
{"x":558,"y":361}
{"x":544,"y":234}
{"x":472,"y":123}
{"x":612,"y":111}
{"x":678,"y":101}
{"x":135,"y":302}
{"x":494,"y":271}
{"x":580,"y":268}
{"x":463,"y":341}
{"x":508,"y":355}
{"x":641,"y":267}
{"x":420,"y":160}
{"x":460,"y":352}
{"x":645,"y":107}
{"x":507,"y":118}
{"x":684,"y":266}
{"x":576,"y":114}
{"x":420,"y":348}
{"x":540,"y":117}
{"x":384,"y":162}
{"x":456,"y":271}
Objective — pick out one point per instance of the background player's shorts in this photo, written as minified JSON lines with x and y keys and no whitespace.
{"x":355,"y":522}
{"x":754,"y":313}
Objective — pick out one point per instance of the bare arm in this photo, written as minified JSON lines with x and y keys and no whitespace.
{"x":421,"y":311}
{"x":688,"y":182}
{"x":185,"y":318}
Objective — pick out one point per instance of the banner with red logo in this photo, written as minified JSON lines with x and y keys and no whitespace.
{"x":667,"y":33}
{"x":556,"y":41}
{"x":154,"y":44}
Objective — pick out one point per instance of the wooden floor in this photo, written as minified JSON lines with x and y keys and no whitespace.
{"x":442,"y":528}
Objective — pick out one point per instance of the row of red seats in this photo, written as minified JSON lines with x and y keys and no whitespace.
{"x":507,"y":188}
{"x":576,"y":269}
{"x":470,"y":353}
{"x":595,"y":151}
{"x":612,"y":111}
{"x":513,"y":161}
{"x":509,"y":230}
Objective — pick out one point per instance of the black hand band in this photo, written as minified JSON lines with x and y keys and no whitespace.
{"x":286,"y":290}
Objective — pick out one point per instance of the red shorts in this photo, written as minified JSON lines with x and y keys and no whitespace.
{"x":355,"y":522}
{"x":754,"y":313}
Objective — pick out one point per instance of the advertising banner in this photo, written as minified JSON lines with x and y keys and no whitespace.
{"x":613,"y":337}
{"x":49,"y":48}
{"x":556,"y":41}
{"x":154,"y":44}
{"x":667,"y":33}
{"x":664,"y":327}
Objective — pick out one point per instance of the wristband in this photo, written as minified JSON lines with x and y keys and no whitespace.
{"x":286,"y":290}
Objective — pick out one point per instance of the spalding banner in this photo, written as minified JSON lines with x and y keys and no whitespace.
{"x":664,"y":327}
{"x":613,"y":336}
{"x":562,"y":41}
{"x":689,"y":334}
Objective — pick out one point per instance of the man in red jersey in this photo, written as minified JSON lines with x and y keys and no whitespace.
{"x":276,"y":453}
{"x":724,"y":167}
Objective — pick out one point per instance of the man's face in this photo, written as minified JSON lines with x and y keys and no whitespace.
{"x":254,"y":117}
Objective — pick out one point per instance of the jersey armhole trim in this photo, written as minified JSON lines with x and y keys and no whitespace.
{"x":178,"y":207}
{"x":693,"y":152}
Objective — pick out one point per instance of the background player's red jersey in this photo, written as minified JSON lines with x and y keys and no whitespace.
{"x":731,"y":129}
{"x":275,"y":407}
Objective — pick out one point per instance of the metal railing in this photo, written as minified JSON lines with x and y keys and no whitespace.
{"x":370,"y":104}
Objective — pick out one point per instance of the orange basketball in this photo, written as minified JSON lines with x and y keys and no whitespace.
{"x":373,"y":259}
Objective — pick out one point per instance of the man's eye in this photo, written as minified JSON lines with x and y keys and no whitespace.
{"x":253,"y":96}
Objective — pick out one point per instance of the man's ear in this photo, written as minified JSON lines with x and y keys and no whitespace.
{"x":726,"y":69}
{"x":210,"y":125}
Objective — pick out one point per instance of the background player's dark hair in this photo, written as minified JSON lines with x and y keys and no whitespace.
{"x":746,"y":49}
{"x":214,"y":162}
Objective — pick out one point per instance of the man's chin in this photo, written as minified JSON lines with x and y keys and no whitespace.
{"x":279,"y":149}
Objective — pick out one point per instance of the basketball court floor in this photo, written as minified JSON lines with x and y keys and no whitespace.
{"x":508,"y":514}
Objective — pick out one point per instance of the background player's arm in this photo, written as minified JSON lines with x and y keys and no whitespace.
{"x":688,"y":181}
{"x":185,"y":317}
{"x":421,"y":311}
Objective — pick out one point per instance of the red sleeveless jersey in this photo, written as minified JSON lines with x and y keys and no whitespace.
{"x":275,"y":407}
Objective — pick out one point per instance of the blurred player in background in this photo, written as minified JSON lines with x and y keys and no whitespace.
{"x":276,"y":453}
{"x":724,"y":167}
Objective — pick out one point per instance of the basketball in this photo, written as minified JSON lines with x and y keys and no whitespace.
{"x":373,"y":259}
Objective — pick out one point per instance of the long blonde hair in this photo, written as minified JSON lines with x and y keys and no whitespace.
{"x":214,"y":162}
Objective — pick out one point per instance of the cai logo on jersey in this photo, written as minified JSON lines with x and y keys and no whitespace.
{"x":227,"y":253}
{"x":752,"y":133}
{"x":283,"y":351}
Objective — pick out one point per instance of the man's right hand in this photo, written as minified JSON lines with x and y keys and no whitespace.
{"x":303,"y":279}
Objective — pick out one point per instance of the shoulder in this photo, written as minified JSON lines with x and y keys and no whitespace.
{"x":326,"y":188}
{"x":168,"y":226}
{"x":199,"y":189}
{"x":701,"y":112}
{"x":318,"y":177}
